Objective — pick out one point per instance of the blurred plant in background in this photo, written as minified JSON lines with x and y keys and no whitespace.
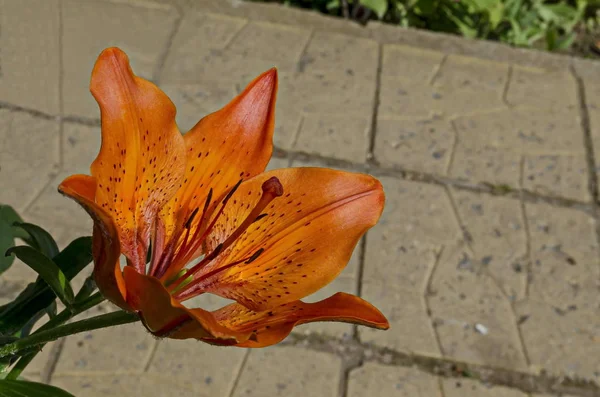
{"x":549,"y":24}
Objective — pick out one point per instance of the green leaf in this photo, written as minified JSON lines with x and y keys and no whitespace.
{"x":551,"y":36}
{"x":26,"y":330}
{"x":89,"y":286}
{"x":19,"y":388}
{"x":565,"y":42}
{"x":496,"y":14}
{"x":379,"y":7}
{"x":39,"y":239}
{"x":8,"y":216}
{"x":37,"y":296}
{"x":48,"y":271}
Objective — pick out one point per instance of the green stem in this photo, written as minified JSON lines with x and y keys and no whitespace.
{"x":59,"y":319}
{"x":89,"y":324}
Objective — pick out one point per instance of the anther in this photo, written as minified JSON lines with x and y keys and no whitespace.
{"x":258,"y":218}
{"x":255,"y":255}
{"x":188,"y":224}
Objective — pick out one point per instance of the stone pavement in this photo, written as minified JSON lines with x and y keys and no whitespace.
{"x":486,"y":258}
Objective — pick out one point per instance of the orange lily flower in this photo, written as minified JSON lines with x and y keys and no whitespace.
{"x":212,"y":222}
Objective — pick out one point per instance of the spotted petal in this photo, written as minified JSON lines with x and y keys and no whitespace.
{"x":272,"y":326}
{"x":106,"y":248}
{"x":233,"y":143}
{"x":141,"y":160}
{"x":305,"y":239}
{"x":166,"y":317}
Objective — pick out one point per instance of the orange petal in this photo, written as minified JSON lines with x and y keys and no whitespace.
{"x":233,"y":143}
{"x":165,"y":317}
{"x":272,"y":326}
{"x":308,"y":235}
{"x":141,"y":160}
{"x":106,"y":248}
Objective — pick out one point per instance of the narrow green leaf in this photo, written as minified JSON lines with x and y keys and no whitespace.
{"x":89,"y":286}
{"x":40,"y":239}
{"x":48,"y":270}
{"x":26,"y":330}
{"x":37,"y":296}
{"x":19,"y":388}
{"x":379,"y":7}
{"x":8,"y":216}
{"x":566,"y":41}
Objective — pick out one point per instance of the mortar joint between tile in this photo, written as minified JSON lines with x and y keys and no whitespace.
{"x":164,"y":55}
{"x":50,"y":367}
{"x":371,"y":159}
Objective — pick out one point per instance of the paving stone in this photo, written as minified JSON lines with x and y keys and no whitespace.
{"x":288,"y":371}
{"x":533,"y":131}
{"x":51,"y":206}
{"x":38,"y":366}
{"x":194,"y":101}
{"x":557,"y":175}
{"x":80,"y":146}
{"x":141,"y":30}
{"x":421,"y":145}
{"x":490,"y":146}
{"x":29,"y":158}
{"x":473,"y":318}
{"x":462,"y":71}
{"x":198,"y":366}
{"x":328,"y":93}
{"x":592,"y":98}
{"x":410,"y":63}
{"x":125,"y":348}
{"x":466,"y":85}
{"x":125,"y":385}
{"x":10,"y":287}
{"x":564,"y":252}
{"x":473,"y":388}
{"x":460,"y":86}
{"x":29,"y":69}
{"x":277,"y":163}
{"x":340,"y":137}
{"x":378,"y":380}
{"x":563,"y":341}
{"x":495,"y":229}
{"x":414,"y":213}
{"x":400,"y":255}
{"x":340,"y":54}
{"x":345,"y":282}
{"x":288,"y":120}
{"x":194,"y":59}
{"x":540,"y":89}
{"x":267,"y":40}
{"x":406,"y":99}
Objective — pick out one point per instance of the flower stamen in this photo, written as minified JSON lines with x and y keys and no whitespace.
{"x":272,"y":189}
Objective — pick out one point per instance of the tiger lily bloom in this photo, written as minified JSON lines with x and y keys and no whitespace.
{"x":210,"y":221}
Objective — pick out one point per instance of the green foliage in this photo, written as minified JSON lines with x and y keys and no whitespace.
{"x":48,"y":271}
{"x":526,"y":23}
{"x":18,"y":318}
{"x":13,"y":388}
{"x":8,"y":234}
{"x":37,"y":296}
